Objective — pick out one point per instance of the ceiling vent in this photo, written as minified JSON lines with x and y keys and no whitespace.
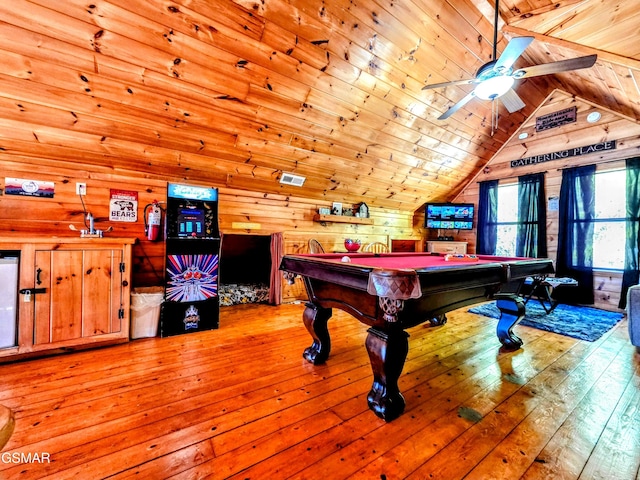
{"x":291,"y":179}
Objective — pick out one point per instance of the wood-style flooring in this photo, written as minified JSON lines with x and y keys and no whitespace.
{"x":240,"y":402}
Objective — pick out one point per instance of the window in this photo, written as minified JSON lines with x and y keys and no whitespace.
{"x":610,"y":223}
{"x":507,"y":220}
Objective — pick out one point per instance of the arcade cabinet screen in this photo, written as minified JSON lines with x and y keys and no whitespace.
{"x":191,"y":223}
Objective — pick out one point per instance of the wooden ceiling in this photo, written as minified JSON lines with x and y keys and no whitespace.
{"x":235,"y":93}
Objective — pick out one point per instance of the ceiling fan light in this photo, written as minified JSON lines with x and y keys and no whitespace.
{"x":494,"y":87}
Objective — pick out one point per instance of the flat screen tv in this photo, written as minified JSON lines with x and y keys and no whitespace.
{"x":449,"y":215}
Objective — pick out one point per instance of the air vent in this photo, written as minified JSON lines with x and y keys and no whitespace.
{"x":291,"y":179}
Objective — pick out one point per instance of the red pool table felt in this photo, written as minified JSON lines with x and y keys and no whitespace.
{"x":415,"y":261}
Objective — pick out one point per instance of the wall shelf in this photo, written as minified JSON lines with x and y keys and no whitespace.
{"x":342,"y":219}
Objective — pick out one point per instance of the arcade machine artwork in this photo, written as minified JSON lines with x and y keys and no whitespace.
{"x":191,"y":302}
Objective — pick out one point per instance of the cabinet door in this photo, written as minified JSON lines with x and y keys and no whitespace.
{"x":448,"y":247}
{"x":101,"y":292}
{"x":83,"y":294}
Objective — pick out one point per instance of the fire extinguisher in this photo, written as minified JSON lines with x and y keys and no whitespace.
{"x":153,"y":221}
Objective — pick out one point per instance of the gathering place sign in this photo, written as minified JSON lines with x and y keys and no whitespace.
{"x":562,"y":154}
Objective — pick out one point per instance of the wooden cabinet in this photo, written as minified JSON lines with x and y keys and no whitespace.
{"x":75,"y":292}
{"x":409,"y":245}
{"x":446,"y":247}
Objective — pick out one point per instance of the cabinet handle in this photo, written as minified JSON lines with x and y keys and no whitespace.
{"x":38,"y":272}
{"x":29,"y":291}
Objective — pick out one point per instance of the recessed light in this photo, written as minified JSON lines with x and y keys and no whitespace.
{"x":523,"y":135}
{"x":593,"y":117}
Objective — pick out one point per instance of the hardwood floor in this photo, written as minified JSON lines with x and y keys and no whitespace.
{"x":240,"y":402}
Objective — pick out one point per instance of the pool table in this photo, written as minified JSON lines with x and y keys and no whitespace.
{"x":391,"y":292}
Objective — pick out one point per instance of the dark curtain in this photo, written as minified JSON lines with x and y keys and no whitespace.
{"x":275,"y":280}
{"x":575,"y":232}
{"x":632,"y":242}
{"x":487,"y":218}
{"x":531,"y":240}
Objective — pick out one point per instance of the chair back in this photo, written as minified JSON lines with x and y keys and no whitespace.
{"x":315,"y":246}
{"x":376,"y":247}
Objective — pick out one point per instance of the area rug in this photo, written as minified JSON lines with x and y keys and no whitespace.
{"x":585,"y":323}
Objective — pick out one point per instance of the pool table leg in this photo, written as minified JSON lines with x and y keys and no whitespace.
{"x":315,"y":320}
{"x":387,"y":353}
{"x":512,"y":310}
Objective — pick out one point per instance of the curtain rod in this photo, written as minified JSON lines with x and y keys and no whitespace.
{"x":597,"y":163}
{"x":563,"y":168}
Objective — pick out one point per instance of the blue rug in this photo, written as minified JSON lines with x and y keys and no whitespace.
{"x":584,"y":323}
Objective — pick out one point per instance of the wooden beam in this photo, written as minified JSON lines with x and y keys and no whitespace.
{"x":554,"y":9}
{"x":583,"y":49}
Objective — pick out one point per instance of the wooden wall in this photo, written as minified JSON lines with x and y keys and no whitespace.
{"x":240,"y":212}
{"x":263,"y":213}
{"x":611,"y":126}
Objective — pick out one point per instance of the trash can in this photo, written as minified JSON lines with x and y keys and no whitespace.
{"x":145,"y":311}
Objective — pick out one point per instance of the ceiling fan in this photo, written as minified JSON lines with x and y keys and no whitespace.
{"x":495,"y":79}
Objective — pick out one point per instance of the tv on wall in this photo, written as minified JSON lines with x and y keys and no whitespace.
{"x":449,"y":215}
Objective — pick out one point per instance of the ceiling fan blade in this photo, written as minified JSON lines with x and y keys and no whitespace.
{"x":512,"y":52}
{"x":453,"y":82}
{"x":556,"y":67}
{"x":456,"y":107}
{"x":512,"y":101}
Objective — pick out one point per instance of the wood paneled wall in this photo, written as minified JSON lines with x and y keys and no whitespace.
{"x":262,"y":213}
{"x":240,"y":212}
{"x":611,"y":126}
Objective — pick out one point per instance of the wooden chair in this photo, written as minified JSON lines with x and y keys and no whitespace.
{"x":376,"y":247}
{"x":7,"y":423}
{"x":315,"y":246}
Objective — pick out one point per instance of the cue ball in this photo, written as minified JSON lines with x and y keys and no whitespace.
{"x":346,"y":259}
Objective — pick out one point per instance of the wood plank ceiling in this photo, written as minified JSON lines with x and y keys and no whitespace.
{"x":234,"y":93}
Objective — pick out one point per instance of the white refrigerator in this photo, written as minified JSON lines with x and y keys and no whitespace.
{"x":8,"y":298}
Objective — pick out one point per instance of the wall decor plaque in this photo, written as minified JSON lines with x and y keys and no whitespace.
{"x":29,"y":187}
{"x":123,"y":206}
{"x":562,"y":154}
{"x":556,"y":119}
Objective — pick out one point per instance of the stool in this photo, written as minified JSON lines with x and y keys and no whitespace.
{"x":633,"y":314}
{"x":542,"y":288}
{"x":7,"y":423}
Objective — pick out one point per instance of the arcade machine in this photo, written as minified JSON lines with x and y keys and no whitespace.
{"x":191,"y":301}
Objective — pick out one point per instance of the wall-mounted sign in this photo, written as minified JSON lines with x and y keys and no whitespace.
{"x":563,"y":154}
{"x":123,"y":206}
{"x":556,"y":119}
{"x":190,"y":192}
{"x":29,"y":188}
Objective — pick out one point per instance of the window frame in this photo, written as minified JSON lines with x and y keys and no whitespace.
{"x":512,"y":183}
{"x":599,"y":220}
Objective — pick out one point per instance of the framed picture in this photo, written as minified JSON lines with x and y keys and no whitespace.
{"x":336,"y":208}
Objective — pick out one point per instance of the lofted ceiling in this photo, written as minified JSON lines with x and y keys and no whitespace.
{"x":235,"y":93}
